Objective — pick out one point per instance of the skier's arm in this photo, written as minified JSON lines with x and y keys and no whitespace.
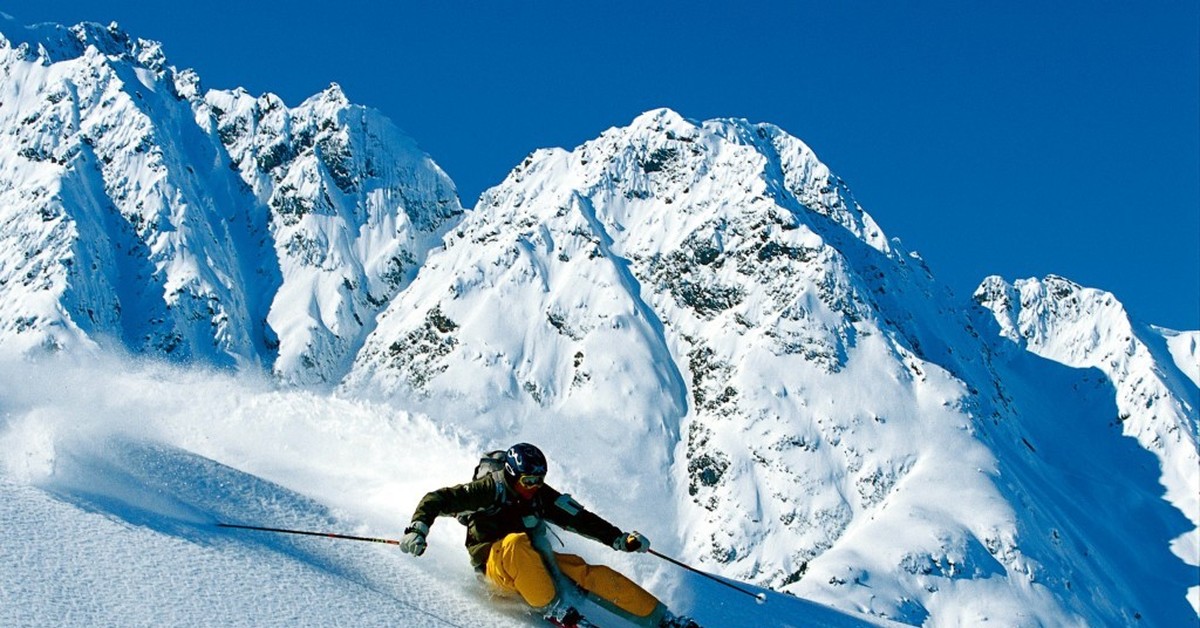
{"x":568,"y":514}
{"x":453,"y":500}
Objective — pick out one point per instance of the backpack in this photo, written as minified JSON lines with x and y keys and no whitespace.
{"x":491,"y":463}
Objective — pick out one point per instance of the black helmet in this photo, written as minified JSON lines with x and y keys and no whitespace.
{"x":524,"y":459}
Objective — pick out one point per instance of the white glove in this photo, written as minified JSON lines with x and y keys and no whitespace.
{"x":632,"y":542}
{"x":413,"y":541}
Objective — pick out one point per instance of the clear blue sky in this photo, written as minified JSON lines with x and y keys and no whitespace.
{"x":1013,"y":138}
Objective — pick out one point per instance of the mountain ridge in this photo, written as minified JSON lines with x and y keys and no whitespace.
{"x":276,"y":254}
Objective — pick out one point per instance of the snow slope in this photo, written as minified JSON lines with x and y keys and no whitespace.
{"x":112,"y":476}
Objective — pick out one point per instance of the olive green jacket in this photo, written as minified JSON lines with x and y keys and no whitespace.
{"x":491,"y":510}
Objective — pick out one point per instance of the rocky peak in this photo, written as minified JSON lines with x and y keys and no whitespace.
{"x":334,"y":96}
{"x":689,"y":247}
{"x":160,"y":244}
{"x":1057,"y":315}
{"x":661,"y":121}
{"x":53,"y":43}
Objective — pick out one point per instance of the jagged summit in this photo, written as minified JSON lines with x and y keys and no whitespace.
{"x":1085,"y":327}
{"x":1152,"y":372}
{"x":661,"y":120}
{"x":214,"y":227}
{"x":52,"y":43}
{"x":334,"y":94}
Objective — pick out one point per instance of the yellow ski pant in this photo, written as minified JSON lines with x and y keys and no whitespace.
{"x":514,"y":565}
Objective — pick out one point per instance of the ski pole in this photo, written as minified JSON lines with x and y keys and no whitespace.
{"x":324,"y":534}
{"x":761,"y":598}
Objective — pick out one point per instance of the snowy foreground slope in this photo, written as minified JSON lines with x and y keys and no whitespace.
{"x":113,"y":474}
{"x":710,"y":338}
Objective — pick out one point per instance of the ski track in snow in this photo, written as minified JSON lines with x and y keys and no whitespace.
{"x":112,"y":480}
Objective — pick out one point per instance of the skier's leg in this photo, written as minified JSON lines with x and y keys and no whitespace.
{"x":613,"y":590}
{"x":514,"y":565}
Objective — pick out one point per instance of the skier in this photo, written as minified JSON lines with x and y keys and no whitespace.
{"x":506,"y":513}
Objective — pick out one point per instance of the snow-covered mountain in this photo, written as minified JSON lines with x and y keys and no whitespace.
{"x":219,"y":228}
{"x":708,"y":335}
{"x":1150,"y":375}
{"x":708,"y":298}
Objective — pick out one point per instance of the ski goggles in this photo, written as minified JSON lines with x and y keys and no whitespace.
{"x":531,"y":480}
